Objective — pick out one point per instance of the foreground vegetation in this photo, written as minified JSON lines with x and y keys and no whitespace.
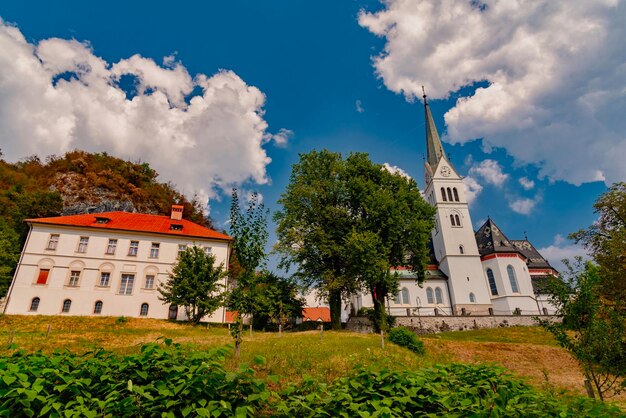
{"x":298,"y":374}
{"x":172,"y":380}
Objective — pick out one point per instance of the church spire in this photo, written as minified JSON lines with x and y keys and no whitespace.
{"x":433,"y":143}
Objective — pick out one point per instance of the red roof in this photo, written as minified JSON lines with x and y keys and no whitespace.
{"x":125,"y":221}
{"x":316,"y":314}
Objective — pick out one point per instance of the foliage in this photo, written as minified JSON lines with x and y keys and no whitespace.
{"x":9,"y":255}
{"x":454,"y":390}
{"x":593,"y":330}
{"x":195,"y":284}
{"x":172,"y":380}
{"x":346,"y":222}
{"x":276,"y":300}
{"x":606,"y":240}
{"x":162,"y":380}
{"x":406,"y":338}
{"x":249,"y":232}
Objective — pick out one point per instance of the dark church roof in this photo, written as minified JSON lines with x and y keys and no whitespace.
{"x":490,"y":239}
{"x":534,"y":259}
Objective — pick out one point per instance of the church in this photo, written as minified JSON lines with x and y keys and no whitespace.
{"x":471,"y":272}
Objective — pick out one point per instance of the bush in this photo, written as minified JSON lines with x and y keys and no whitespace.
{"x":406,"y":338}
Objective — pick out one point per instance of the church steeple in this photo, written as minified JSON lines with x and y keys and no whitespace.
{"x":434,"y":148}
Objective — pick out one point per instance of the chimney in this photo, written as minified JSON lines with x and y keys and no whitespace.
{"x":177,"y":212}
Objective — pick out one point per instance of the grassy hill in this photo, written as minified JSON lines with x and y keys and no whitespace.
{"x":302,"y":361}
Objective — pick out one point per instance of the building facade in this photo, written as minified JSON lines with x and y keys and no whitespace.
{"x":108,"y":264}
{"x":471,"y":272}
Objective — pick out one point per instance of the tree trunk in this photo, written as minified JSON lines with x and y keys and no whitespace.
{"x":380,"y":315}
{"x":334,"y":300}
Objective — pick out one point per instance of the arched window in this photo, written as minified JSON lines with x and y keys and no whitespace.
{"x":438,"y":295}
{"x":144,"y":310}
{"x":512,"y":278}
{"x":452,"y":221}
{"x":67,"y":304}
{"x":461,"y":249}
{"x":397,"y":300}
{"x":492,"y":282}
{"x":472,"y":298}
{"x":458,"y":220}
{"x":34,"y":304}
{"x":173,"y":312}
{"x":443,"y":194}
{"x":456,"y":195}
{"x":97,"y":307}
{"x":449,"y":194}
{"x":405,"y":296}
{"x":429,"y":295}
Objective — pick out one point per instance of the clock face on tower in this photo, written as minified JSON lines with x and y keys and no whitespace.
{"x":445,"y":171}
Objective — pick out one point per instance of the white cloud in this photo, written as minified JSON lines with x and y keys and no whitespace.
{"x":490,"y":171}
{"x":561,"y":249}
{"x":56,"y":95}
{"x":552,"y":72}
{"x":526,"y":183}
{"x":359,"y":106}
{"x":280,"y":138}
{"x":396,"y":170}
{"x":523,"y":206}
{"x":472,"y":189}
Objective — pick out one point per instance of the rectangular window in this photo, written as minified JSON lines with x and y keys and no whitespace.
{"x":43,"y":276}
{"x":111,"y":246}
{"x":208,"y":250}
{"x":105,"y":279}
{"x":134,"y":247}
{"x":82,"y":244}
{"x":126,"y":285}
{"x":53,"y":242}
{"x":149,"y":282}
{"x":154,"y":250}
{"x":181,"y":249}
{"x":74,"y":278}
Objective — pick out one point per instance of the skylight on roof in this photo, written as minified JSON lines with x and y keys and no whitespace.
{"x":176,"y":227}
{"x":102,"y":220}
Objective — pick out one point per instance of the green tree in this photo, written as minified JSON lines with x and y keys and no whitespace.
{"x":391,"y":228}
{"x":249,"y":231}
{"x":606,"y":241}
{"x":345,"y":223}
{"x":312,"y":225}
{"x":276,"y":300}
{"x":9,"y":255}
{"x":593,"y":329}
{"x":195,"y":283}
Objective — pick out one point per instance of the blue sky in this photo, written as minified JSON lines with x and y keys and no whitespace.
{"x":318,"y":84}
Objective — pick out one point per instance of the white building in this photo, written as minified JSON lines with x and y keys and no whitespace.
{"x":106,"y":264}
{"x":470,"y":273}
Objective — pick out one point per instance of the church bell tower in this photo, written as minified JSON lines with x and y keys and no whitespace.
{"x":453,"y":237}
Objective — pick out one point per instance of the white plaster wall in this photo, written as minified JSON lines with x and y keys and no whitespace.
{"x":91,"y":263}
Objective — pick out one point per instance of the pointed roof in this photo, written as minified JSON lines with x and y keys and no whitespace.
{"x":136,"y":222}
{"x":535,"y":259}
{"x":434,"y":149}
{"x":490,"y":239}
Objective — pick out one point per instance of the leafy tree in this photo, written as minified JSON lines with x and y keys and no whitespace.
{"x":195,"y":284}
{"x":9,"y":255}
{"x":593,"y":329}
{"x":345,"y":223}
{"x":249,"y":231}
{"x":606,"y":241}
{"x":391,"y":228}
{"x":276,"y":300}
{"x":312,"y":226}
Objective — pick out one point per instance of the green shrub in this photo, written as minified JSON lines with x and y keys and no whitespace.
{"x":406,"y":338}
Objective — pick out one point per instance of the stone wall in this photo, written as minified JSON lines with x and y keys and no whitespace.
{"x":434,"y":324}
